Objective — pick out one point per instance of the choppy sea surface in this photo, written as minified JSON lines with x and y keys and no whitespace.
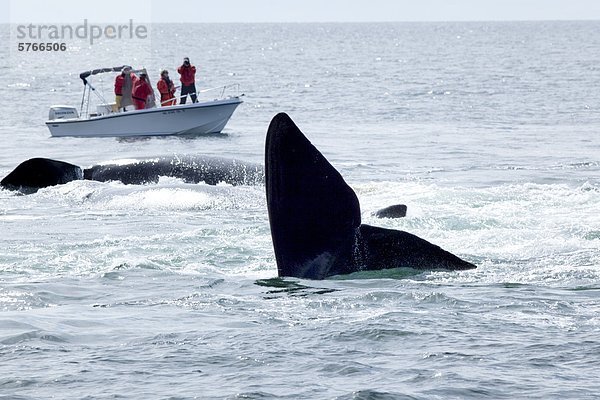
{"x":488,"y":132}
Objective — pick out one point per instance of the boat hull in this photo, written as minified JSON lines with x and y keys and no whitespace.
{"x":196,"y":118}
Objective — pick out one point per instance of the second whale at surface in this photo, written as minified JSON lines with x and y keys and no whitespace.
{"x":37,"y":173}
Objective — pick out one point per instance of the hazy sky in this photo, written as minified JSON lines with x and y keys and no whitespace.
{"x":44,"y":11}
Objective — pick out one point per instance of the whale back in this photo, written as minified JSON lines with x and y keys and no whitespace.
{"x":37,"y":173}
{"x":190,"y":169}
{"x":313,"y":213}
{"x":381,"y":248}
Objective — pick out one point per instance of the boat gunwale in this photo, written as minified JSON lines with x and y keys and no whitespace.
{"x":214,"y":103}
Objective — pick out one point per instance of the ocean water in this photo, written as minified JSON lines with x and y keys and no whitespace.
{"x":488,"y":132}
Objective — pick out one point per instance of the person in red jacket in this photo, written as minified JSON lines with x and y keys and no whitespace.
{"x":141,"y":91}
{"x":123,"y":86}
{"x":166,"y":89}
{"x":188,"y":81}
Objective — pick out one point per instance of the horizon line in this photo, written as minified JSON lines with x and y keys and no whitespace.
{"x":304,"y":22}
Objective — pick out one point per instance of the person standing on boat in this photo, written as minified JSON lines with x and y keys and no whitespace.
{"x":188,"y":81}
{"x":166,"y":87}
{"x":124,"y":83}
{"x":141,"y":92}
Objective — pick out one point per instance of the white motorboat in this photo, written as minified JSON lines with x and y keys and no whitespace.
{"x":195,"y":118}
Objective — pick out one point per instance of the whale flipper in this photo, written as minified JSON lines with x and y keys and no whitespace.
{"x":395,"y":211}
{"x":312,"y":211}
{"x":37,"y":173}
{"x":315,"y":217}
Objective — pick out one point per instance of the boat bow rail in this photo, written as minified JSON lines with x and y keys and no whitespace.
{"x":226,"y":92}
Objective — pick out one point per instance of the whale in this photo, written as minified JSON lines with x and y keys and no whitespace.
{"x":37,"y":173}
{"x":395,"y":211}
{"x":315,"y":217}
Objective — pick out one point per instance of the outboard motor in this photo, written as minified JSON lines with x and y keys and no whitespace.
{"x":62,"y":112}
